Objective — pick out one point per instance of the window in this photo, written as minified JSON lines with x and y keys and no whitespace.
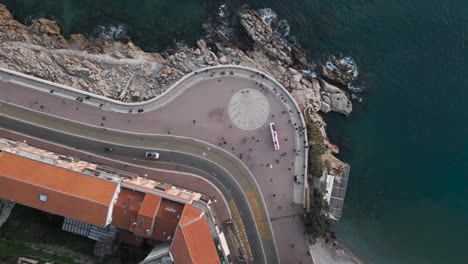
{"x":43,"y":198}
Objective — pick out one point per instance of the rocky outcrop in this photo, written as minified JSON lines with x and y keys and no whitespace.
{"x":99,"y":66}
{"x":42,"y":32}
{"x":46,"y":33}
{"x":334,"y":99}
{"x":342,"y":70}
{"x":122,"y":71}
{"x":309,"y":97}
{"x":263,"y":37}
{"x":10,"y":29}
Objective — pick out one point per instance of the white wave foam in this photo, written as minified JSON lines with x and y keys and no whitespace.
{"x":347,"y":60}
{"x":226,"y":31}
{"x":180,"y":44}
{"x":355,"y":97}
{"x":111,"y":32}
{"x":331,"y":66}
{"x":312,"y":74}
{"x":310,"y":69}
{"x":268,"y":15}
{"x":223,"y":25}
{"x":222,"y":11}
{"x":282,"y":29}
{"x":354,"y":88}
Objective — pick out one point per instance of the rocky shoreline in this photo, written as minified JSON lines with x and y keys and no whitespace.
{"x":120,"y":70}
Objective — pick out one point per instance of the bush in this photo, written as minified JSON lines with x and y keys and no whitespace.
{"x":315,"y":137}
{"x":316,"y":150}
{"x":316,"y":222}
{"x":315,"y":166}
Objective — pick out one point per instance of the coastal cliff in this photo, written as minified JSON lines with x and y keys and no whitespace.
{"x":122,"y":71}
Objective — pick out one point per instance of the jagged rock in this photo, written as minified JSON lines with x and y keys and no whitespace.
{"x":328,"y":88}
{"x":181,"y":55}
{"x":281,"y":69}
{"x":46,"y":26}
{"x":262,"y":35}
{"x":340,"y":103}
{"x":342,"y":70}
{"x":79,"y":41}
{"x":255,"y":27}
{"x":223,"y":60}
{"x":334,"y":148}
{"x":201,"y":44}
{"x":299,"y":56}
{"x":5,"y":14}
{"x":293,"y":71}
{"x":211,"y":58}
{"x":324,"y":107}
{"x":335,"y":98}
{"x":10,"y":29}
{"x":326,"y":98}
{"x":47,"y":33}
{"x":308,"y":97}
{"x":297,"y":78}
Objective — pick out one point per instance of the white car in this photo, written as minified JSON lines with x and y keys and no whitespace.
{"x":152,"y":155}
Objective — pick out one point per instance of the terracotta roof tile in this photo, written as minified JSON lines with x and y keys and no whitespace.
{"x":193,"y":242}
{"x":63,"y":192}
{"x":168,"y":216}
{"x":126,"y":209}
{"x":147,"y":215}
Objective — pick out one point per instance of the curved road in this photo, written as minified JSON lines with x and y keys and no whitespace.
{"x":204,"y":94}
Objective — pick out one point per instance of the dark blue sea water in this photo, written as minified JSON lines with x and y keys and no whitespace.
{"x":407,"y":142}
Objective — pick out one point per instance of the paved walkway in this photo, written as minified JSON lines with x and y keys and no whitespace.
{"x":197,"y":108}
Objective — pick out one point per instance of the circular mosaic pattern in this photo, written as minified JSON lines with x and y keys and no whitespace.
{"x":248,"y":109}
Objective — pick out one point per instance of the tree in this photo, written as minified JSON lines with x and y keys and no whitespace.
{"x":316,"y":222}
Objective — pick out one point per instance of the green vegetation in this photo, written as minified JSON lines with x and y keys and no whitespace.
{"x":29,"y":225}
{"x":316,"y":150}
{"x":11,"y":250}
{"x":317,"y":223}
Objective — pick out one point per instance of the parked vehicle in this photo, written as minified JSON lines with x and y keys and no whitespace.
{"x":152,"y":155}
{"x":274,"y":136}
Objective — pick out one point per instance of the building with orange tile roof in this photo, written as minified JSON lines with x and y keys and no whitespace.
{"x":126,"y":209}
{"x":57,"y":190}
{"x":87,"y":195}
{"x":192,"y":242}
{"x":147,"y":215}
{"x":167,"y":218}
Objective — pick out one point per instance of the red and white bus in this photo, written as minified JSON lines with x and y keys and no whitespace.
{"x":274,"y":136}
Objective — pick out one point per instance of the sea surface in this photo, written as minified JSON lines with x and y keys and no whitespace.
{"x":407,"y":141}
